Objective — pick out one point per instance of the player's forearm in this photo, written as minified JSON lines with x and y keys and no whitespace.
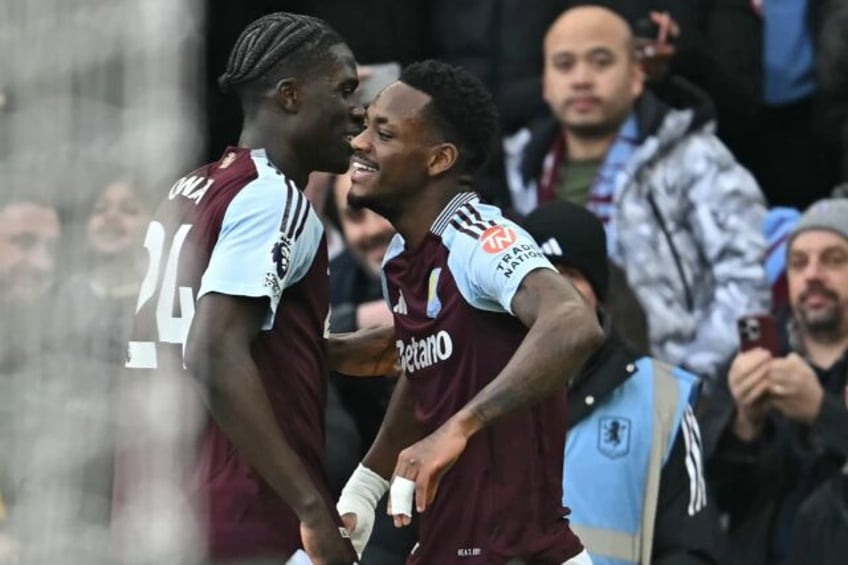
{"x":353,"y":353}
{"x":556,"y":347}
{"x":237,"y":400}
{"x":398,"y":431}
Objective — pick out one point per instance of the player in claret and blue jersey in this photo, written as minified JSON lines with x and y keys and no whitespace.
{"x":237,"y":297}
{"x":486,"y":331}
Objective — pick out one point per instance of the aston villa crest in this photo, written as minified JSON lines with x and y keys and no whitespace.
{"x":614,"y":436}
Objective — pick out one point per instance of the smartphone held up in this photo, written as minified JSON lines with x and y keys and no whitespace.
{"x":759,"y":331}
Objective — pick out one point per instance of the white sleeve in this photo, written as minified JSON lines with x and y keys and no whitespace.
{"x":488,"y":270}
{"x":258,"y":253}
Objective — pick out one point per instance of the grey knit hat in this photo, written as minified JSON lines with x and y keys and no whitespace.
{"x":830,"y":215}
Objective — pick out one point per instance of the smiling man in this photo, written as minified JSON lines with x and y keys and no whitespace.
{"x":477,"y":423}
{"x":783,"y":433}
{"x":29,"y":237}
{"x":237,"y":298}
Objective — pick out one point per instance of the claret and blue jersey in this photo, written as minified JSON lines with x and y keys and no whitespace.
{"x":239,"y":227}
{"x":451,"y":299}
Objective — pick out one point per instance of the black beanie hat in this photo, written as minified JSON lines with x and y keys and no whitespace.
{"x":571,"y":235}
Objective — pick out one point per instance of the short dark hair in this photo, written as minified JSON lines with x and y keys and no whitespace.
{"x":275,"y":44}
{"x":461,"y":108}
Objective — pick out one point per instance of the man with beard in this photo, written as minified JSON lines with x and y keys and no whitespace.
{"x":29,"y":234}
{"x":785,"y":432}
{"x":30,"y":230}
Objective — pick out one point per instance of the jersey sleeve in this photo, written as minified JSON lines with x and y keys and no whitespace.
{"x":489,"y":267}
{"x":258,"y":253}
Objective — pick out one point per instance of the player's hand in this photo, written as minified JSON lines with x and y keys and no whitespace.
{"x":795,"y":388}
{"x":378,"y":354}
{"x":358,"y":530}
{"x":749,"y":385}
{"x":323,"y":542}
{"x":425,"y":463}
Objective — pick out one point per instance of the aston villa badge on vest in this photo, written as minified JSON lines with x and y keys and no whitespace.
{"x":614,"y":437}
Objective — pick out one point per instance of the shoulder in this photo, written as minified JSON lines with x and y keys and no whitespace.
{"x":695,"y":144}
{"x":395,"y":248}
{"x":468,"y":221}
{"x":270,"y":197}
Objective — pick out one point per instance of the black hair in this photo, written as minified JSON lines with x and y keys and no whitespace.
{"x":275,"y":44}
{"x":461,"y":108}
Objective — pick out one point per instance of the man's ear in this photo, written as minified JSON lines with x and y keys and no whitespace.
{"x":287,"y":94}
{"x":442,"y":158}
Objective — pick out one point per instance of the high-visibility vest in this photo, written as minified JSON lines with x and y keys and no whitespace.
{"x":614,"y":458}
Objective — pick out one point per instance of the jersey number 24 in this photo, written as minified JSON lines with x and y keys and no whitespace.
{"x":169,"y":328}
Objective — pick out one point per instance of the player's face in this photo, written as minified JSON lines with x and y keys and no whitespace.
{"x":331,"y":113}
{"x":817,"y":273}
{"x":117,"y":220}
{"x":29,"y":233}
{"x":390,"y":160}
{"x":367,"y":233}
{"x":591,"y":77}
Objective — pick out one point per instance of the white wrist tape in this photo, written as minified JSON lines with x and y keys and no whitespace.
{"x":401,"y":494}
{"x":360,"y":496}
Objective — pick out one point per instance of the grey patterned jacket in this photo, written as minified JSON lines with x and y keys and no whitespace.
{"x":689,"y":230}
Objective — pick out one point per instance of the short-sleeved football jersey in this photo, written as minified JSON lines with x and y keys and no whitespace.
{"x":451,"y":298}
{"x":239,"y":227}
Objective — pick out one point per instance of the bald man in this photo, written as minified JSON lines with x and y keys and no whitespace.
{"x":682,"y":217}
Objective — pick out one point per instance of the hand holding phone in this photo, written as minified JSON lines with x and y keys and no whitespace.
{"x":759,"y":330}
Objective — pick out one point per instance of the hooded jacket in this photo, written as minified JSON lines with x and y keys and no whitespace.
{"x":689,"y":220}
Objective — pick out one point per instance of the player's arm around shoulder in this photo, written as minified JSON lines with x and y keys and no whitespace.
{"x":364,"y":353}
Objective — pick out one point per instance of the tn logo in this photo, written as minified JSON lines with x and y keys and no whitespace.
{"x":497,"y":239}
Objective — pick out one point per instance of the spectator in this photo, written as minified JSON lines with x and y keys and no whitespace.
{"x":775,"y":111}
{"x":632,"y":433}
{"x":682,"y":217}
{"x":778,"y":430}
{"x":100,"y":300}
{"x":29,"y":235}
{"x":55,"y":447}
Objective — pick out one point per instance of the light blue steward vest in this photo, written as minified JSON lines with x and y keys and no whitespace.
{"x":614,"y":458}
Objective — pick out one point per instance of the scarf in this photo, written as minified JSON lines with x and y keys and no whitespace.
{"x":603,"y":190}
